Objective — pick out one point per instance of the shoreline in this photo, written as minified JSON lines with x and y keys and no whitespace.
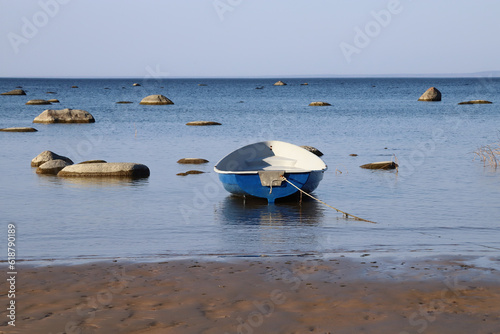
{"x":258,"y":295}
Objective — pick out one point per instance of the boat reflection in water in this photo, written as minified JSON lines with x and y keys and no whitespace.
{"x":252,"y":227}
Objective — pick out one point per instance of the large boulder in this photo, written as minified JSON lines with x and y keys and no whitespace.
{"x":109,"y":169}
{"x":52,"y":167}
{"x":202,"y":123}
{"x":476,"y":102}
{"x":432,"y":94}
{"x":47,"y":156}
{"x":19,"y":129}
{"x":279,"y":83}
{"x":156,"y":100}
{"x":15,"y":92}
{"x":64,"y":116}
{"x":37,"y":102}
{"x":319,"y":104}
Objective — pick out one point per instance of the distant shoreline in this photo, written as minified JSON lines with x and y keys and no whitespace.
{"x":478,"y":75}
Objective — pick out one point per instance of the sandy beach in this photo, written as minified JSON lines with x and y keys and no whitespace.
{"x":257,"y":295}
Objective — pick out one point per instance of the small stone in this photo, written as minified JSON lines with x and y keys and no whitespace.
{"x":156,"y":100}
{"x":279,"y":83}
{"x":476,"y":102}
{"x":430,"y":95}
{"x":353,"y":155}
{"x":19,"y":129}
{"x":136,"y":85}
{"x":124,"y":102}
{"x":74,"y":86}
{"x":313,"y":150}
{"x":93,"y":162}
{"x":47,"y":156}
{"x":202,"y":123}
{"x":194,"y":172}
{"x":15,"y":92}
{"x":380,"y":165}
{"x":182,"y":174}
{"x":37,"y":102}
{"x":53,"y":100}
{"x":319,"y":104}
{"x":194,"y":161}
{"x":52,"y":167}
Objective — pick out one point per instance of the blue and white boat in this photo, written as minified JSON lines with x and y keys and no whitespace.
{"x":261,"y":170}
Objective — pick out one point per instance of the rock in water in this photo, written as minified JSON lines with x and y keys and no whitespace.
{"x":319,"y":104}
{"x":476,"y":102}
{"x":136,"y":84}
{"x":15,"y":92}
{"x":156,"y":100}
{"x":37,"y":102}
{"x":64,"y":116}
{"x":380,"y":165}
{"x":47,"y":156}
{"x":52,"y":167}
{"x":279,"y":83}
{"x":432,"y":94}
{"x":195,"y":161}
{"x":109,"y":169}
{"x":313,"y":150}
{"x":19,"y":129}
{"x":202,"y":123}
{"x":93,"y":162}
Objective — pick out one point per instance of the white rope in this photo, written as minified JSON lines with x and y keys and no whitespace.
{"x":345,"y":213}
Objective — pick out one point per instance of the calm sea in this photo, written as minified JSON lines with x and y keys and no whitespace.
{"x":441,"y":200}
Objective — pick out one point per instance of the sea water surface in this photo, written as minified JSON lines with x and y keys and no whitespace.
{"x":440,"y":201}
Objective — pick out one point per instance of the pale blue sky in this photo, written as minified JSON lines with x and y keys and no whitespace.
{"x":221,"y":38}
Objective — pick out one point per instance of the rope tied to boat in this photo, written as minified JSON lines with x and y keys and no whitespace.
{"x":346,"y":215}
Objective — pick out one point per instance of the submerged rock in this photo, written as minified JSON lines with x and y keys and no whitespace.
{"x":202,"y":123}
{"x":64,"y":116}
{"x":313,"y":150}
{"x":476,"y":102}
{"x":109,"y":169}
{"x":15,"y":92}
{"x":194,"y":172}
{"x":319,"y":104}
{"x":19,"y":129}
{"x":124,"y":102}
{"x":432,"y":94}
{"x":37,"y":102}
{"x":194,"y":161}
{"x":279,"y":83}
{"x":48,"y":156}
{"x":380,"y":165}
{"x":156,"y":100}
{"x":52,"y":167}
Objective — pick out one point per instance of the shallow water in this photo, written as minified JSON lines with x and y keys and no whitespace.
{"x":441,"y":200}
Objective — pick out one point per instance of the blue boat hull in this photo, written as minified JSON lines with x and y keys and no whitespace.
{"x":250,"y":184}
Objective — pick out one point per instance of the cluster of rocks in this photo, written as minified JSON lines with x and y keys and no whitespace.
{"x":433,"y":94}
{"x":50,"y":163}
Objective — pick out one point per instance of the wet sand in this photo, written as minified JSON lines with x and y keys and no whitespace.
{"x":257,"y":295}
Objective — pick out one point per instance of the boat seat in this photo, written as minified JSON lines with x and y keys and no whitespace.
{"x":275,"y":161}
